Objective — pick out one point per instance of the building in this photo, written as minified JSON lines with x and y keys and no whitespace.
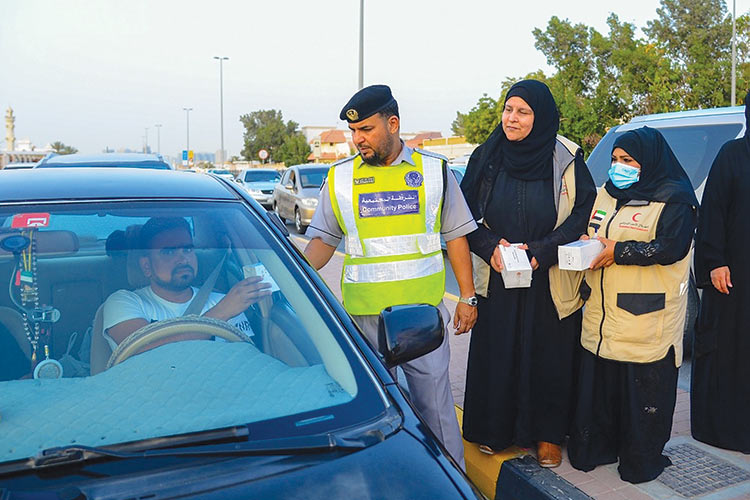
{"x":330,"y":146}
{"x":21,"y":151}
{"x":450,"y":147}
{"x":417,"y":141}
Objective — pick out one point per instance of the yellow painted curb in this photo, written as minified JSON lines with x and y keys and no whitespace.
{"x":484,"y":469}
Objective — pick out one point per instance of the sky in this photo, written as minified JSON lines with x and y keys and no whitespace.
{"x":95,"y":74}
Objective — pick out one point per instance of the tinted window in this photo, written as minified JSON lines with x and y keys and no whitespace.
{"x":262,"y":176}
{"x":310,"y":177}
{"x":695,"y":147}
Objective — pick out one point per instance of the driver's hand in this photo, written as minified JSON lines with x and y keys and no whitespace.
{"x":242,"y":295}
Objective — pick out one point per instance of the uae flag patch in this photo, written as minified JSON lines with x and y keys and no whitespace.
{"x":599,"y":215}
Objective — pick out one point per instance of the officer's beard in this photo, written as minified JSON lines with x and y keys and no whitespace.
{"x":378,"y":157}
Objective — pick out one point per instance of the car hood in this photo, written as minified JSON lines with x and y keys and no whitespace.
{"x":310,"y":192}
{"x":400,"y":467}
{"x":260,"y":185}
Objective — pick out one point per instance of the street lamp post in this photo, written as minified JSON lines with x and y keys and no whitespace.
{"x":221,"y":60}
{"x":158,"y":137}
{"x":734,"y":52}
{"x":187,"y":142}
{"x":361,"y":43}
{"x":145,"y":137}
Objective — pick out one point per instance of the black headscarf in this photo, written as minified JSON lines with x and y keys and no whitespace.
{"x":527,"y":159}
{"x":747,"y":117}
{"x":662,"y":177}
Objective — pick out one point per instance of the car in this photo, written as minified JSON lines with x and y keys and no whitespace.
{"x":695,"y":137}
{"x":122,"y":160}
{"x":304,"y":407}
{"x":295,"y":197}
{"x":458,"y":170}
{"x":227,"y":174}
{"x":259,"y":182}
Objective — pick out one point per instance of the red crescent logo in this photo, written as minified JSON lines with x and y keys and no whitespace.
{"x":636,"y":215}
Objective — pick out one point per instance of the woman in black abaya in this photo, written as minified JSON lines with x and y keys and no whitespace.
{"x":520,"y":369}
{"x":720,"y":392}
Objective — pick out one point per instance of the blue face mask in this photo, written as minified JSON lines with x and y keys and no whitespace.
{"x":623,"y":176}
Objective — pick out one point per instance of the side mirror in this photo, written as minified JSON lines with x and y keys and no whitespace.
{"x":289,"y":186}
{"x":408,"y":332}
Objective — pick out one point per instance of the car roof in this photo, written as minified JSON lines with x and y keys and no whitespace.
{"x":308,"y":166}
{"x":137,"y":160}
{"x":108,"y":183}
{"x":695,"y":113}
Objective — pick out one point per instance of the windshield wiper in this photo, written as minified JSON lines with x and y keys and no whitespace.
{"x":65,"y":455}
{"x":309,"y":444}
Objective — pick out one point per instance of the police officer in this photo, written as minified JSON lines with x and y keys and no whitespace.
{"x":391,"y":204}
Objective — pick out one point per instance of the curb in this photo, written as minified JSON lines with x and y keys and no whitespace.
{"x":513,"y":474}
{"x":523,"y":479}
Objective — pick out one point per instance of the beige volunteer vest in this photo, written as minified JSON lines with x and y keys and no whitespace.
{"x":635,"y":313}
{"x":564,"y":286}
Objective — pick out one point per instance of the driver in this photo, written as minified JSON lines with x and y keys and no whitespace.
{"x":170,"y":264}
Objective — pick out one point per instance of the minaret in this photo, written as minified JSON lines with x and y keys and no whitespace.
{"x":10,"y":130}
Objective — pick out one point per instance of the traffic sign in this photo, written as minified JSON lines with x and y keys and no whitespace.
{"x":263,"y":154}
{"x":184,"y":157}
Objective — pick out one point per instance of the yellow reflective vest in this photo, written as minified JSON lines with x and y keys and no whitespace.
{"x":390,"y":217}
{"x":635,"y":313}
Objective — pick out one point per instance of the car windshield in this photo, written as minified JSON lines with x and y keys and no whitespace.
{"x":695,"y":147}
{"x":220,"y":172}
{"x":262,"y":176}
{"x":281,"y":364}
{"x":312,"y":177}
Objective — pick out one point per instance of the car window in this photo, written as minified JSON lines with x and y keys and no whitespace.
{"x":694,"y":146}
{"x":261,"y":176}
{"x":290,"y":369}
{"x":313,"y":177}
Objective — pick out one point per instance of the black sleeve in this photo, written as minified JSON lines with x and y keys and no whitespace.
{"x":483,"y":242}
{"x":545,"y":249}
{"x":674,"y":234}
{"x":716,"y":205}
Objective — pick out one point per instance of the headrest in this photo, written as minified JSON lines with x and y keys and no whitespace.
{"x":48,"y":243}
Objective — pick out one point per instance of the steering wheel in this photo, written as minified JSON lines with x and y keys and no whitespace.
{"x":168,"y":328}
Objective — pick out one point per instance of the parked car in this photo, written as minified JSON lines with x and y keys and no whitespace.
{"x":296,"y":195}
{"x":695,"y":137}
{"x":259,"y":182}
{"x":304,"y":408}
{"x":126,"y":160}
{"x":221,"y":172}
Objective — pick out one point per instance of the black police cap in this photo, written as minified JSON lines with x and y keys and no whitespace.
{"x":367,"y":102}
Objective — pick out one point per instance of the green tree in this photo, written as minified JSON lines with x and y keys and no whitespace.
{"x":458,"y":126}
{"x":295,"y":150}
{"x":265,"y":129}
{"x":481,"y":120}
{"x":602,"y":80}
{"x":60,"y":148}
{"x":696,"y":35}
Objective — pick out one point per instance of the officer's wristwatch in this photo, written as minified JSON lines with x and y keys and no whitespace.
{"x":472,"y":301}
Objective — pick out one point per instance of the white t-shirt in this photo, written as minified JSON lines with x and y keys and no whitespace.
{"x":143,"y":303}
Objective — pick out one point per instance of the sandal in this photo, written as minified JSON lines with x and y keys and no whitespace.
{"x":486,"y":449}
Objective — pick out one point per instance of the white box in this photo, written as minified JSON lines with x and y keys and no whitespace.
{"x":516,"y":267}
{"x":578,"y":255}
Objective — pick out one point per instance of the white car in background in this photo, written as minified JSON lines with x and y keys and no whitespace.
{"x":259,"y":183}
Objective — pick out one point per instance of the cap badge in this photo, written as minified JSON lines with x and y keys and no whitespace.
{"x":413,"y":178}
{"x":352,"y":114}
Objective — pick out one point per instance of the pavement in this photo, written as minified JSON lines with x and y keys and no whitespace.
{"x":699,"y":471}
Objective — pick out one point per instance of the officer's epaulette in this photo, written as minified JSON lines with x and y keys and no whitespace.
{"x":344,"y":160}
{"x":431,"y":153}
